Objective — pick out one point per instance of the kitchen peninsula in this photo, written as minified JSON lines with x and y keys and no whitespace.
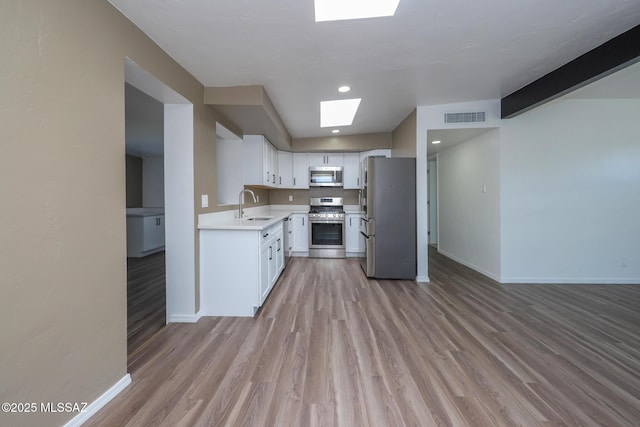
{"x":241,"y":259}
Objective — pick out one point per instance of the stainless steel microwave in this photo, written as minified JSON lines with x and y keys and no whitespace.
{"x":325,"y":176}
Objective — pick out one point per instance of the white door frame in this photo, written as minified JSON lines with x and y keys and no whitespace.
{"x":178,"y":193}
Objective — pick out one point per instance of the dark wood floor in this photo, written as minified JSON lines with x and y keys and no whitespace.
{"x":146,"y":298}
{"x":331,"y":348}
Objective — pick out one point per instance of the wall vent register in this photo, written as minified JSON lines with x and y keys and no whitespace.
{"x":473,"y":117}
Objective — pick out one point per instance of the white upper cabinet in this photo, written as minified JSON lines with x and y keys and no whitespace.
{"x":260,"y":161}
{"x":285,"y":169}
{"x":386,"y":152}
{"x":300,"y":171}
{"x":325,"y":159}
{"x":351,"y":176}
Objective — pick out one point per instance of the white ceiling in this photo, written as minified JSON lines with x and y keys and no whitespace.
{"x":144,"y":124}
{"x":431,"y":52}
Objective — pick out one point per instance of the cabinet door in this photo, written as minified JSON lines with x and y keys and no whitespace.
{"x":335,"y":159}
{"x":351,"y":172}
{"x":280,"y":251}
{"x":325,"y":159}
{"x":274,"y":165}
{"x":317,"y":159}
{"x":300,"y":171}
{"x":300,"y":233}
{"x":264,"y":272}
{"x":285,"y":169}
{"x":150,"y":233}
{"x":273,"y":262}
{"x":354,"y":241}
{"x":268,"y":164}
{"x":160,"y":231}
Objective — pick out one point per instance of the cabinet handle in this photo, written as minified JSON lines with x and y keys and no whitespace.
{"x":270,"y":252}
{"x":358,"y":181}
{"x":265,"y":235}
{"x":280,"y":180}
{"x":267,"y":176}
{"x":302,"y":220}
{"x":274,"y":178}
{"x":279,"y":247}
{"x":294,"y":181}
{"x":350,"y":221}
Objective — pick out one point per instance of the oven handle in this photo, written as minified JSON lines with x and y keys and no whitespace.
{"x":365,"y":236}
{"x":326,"y":221}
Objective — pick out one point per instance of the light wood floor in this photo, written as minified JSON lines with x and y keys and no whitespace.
{"x":331,"y":348}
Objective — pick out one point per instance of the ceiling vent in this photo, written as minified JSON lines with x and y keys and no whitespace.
{"x":479,"y":116}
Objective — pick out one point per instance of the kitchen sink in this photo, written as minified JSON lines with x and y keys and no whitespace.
{"x":258,"y":218}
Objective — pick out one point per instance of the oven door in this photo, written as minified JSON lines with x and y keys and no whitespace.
{"x":326,"y":238}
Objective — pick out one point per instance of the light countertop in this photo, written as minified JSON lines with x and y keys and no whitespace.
{"x":227,"y":220}
{"x":145,"y":211}
{"x":232,"y":223}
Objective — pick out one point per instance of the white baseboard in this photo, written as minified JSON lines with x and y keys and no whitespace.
{"x":422,"y":279}
{"x":570,"y":281}
{"x":185,"y":318}
{"x":97,"y":404}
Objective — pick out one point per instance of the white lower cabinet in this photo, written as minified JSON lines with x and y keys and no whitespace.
{"x":300,"y":234}
{"x":271,"y":259}
{"x":354,"y":241}
{"x":238,"y":269}
{"x":145,"y":235}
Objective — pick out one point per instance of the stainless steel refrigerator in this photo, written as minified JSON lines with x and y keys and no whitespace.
{"x":389,"y":224}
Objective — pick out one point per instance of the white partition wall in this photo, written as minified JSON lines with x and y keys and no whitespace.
{"x":469,"y":203}
{"x":179,"y":212}
{"x":571,"y":193}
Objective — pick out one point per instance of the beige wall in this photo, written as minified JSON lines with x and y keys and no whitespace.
{"x":404,"y":137}
{"x":62,"y":183}
{"x":134,"y":181}
{"x":361,"y":142}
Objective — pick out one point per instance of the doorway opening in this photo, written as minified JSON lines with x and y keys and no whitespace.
{"x":160,"y":210}
{"x":146,"y":284}
{"x":432,"y":199}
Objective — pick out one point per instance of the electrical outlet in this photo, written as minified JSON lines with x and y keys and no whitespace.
{"x":205,"y":200}
{"x":290,"y":197}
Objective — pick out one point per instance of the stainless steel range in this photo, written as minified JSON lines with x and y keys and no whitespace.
{"x":326,"y":227}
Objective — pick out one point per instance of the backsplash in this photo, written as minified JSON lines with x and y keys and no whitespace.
{"x":301,"y":197}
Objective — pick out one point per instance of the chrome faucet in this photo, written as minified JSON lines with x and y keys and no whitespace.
{"x":241,"y":200}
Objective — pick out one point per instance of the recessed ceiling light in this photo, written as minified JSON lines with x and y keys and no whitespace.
{"x":436,"y":142}
{"x":344,"y":89}
{"x":338,"y":113}
{"x":337,"y":10}
{"x":335,"y":131}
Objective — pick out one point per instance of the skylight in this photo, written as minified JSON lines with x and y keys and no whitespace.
{"x":337,"y":10}
{"x":338,"y":113}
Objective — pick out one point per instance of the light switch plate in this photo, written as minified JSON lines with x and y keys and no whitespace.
{"x":290,"y":198}
{"x":205,"y":200}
